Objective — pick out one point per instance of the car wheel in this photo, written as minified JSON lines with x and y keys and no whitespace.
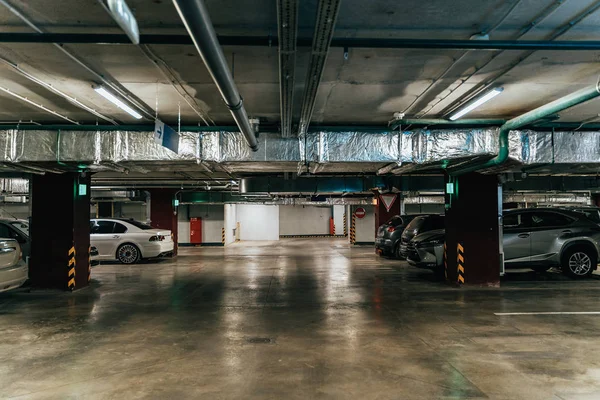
{"x":397,"y":252}
{"x":128,"y":253}
{"x":579,"y":262}
{"x":541,"y":268}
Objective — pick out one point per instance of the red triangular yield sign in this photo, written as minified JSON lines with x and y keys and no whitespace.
{"x":388,"y":200}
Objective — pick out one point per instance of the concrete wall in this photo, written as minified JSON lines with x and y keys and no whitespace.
{"x":230,"y":218}
{"x":424,"y":209}
{"x":213,"y":220}
{"x":14,"y":210}
{"x":304,"y":220}
{"x":365,"y":227}
{"x":338,"y":219}
{"x":258,"y":222}
{"x":137,"y":211}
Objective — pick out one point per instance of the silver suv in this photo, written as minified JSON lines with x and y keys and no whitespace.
{"x":540,"y":238}
{"x":536,"y":238}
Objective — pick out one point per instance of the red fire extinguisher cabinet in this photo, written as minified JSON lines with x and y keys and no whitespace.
{"x":195,"y":230}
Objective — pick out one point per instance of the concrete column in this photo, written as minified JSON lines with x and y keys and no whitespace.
{"x":472,"y":221}
{"x":382,"y":215}
{"x":60,"y":231}
{"x":163,"y":214}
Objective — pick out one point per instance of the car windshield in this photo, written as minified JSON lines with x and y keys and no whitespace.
{"x":137,"y":224}
{"x":21,"y":226}
{"x":593,"y":214}
{"x":415,"y":224}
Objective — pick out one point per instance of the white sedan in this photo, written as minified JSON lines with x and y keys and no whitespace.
{"x":128,"y":241}
{"x":13,"y":270}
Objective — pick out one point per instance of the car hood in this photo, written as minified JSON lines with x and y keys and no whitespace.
{"x":430,"y":235}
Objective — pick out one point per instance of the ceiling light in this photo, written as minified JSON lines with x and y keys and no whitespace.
{"x":113,"y":99}
{"x":470,"y":106}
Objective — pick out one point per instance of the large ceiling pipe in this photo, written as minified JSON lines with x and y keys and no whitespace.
{"x":581,"y":96}
{"x":197,"y":21}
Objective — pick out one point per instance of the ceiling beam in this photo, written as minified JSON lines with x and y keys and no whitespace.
{"x":287,"y":28}
{"x":272,"y":41}
{"x":327,"y":13}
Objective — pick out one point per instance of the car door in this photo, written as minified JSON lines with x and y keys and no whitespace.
{"x":22,"y":240}
{"x":546,"y":228}
{"x":101,"y":237}
{"x":516,"y":238}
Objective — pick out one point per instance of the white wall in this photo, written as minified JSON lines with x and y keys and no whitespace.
{"x":136,"y":211}
{"x":338,"y":219}
{"x":258,"y":222}
{"x":230,"y":222}
{"x":365,"y":227}
{"x":14,"y":210}
{"x":424,"y":208}
{"x":304,"y":220}
{"x":213,"y":220}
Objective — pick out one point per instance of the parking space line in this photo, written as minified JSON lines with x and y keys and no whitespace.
{"x":550,"y":313}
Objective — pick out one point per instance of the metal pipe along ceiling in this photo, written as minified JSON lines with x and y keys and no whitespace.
{"x":326,"y":17}
{"x":269,"y":41}
{"x":287,"y":26}
{"x":197,"y":21}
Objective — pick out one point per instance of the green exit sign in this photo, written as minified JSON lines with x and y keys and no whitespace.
{"x":450,"y":188}
{"x":82,"y":189}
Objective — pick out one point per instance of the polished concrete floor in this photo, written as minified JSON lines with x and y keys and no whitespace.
{"x":298,"y":319}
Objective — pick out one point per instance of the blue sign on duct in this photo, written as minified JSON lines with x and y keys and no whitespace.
{"x":166,"y":136}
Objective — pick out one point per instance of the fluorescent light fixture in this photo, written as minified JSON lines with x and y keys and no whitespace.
{"x":476,"y":103}
{"x":113,"y":99}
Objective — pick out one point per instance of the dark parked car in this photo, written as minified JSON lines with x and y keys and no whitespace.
{"x":387,"y":242}
{"x":421,"y":224}
{"x":536,"y":238}
{"x":427,"y":250}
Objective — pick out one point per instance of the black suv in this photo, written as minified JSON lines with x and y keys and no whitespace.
{"x":387,"y":242}
{"x":423,"y":223}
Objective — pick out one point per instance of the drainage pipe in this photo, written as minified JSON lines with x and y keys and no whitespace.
{"x":195,"y":17}
{"x":581,"y":96}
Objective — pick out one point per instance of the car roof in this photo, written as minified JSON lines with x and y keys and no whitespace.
{"x":555,"y":210}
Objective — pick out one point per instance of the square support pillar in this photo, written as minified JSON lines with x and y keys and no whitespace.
{"x":382,"y":215}
{"x":163,"y":213}
{"x":60,"y":231}
{"x":472,"y":222}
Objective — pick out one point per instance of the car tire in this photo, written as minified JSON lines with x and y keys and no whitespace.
{"x":128,"y":253}
{"x":541,"y":268}
{"x":579,"y":262}
{"x":397,"y":254}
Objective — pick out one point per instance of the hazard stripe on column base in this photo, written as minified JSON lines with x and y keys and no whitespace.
{"x":460,"y":261}
{"x":71,"y":268}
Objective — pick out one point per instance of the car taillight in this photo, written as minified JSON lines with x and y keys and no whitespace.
{"x":391,"y":229}
{"x":157,"y":238}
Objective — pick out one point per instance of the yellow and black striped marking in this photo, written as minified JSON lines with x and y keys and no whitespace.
{"x":345,"y":225}
{"x":71,"y":266}
{"x":353,"y":230}
{"x":445,"y":261}
{"x":223,"y":235}
{"x":460,"y":262}
{"x":90,"y":263}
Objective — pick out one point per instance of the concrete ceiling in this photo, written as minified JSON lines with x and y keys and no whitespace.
{"x":365,"y":89}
